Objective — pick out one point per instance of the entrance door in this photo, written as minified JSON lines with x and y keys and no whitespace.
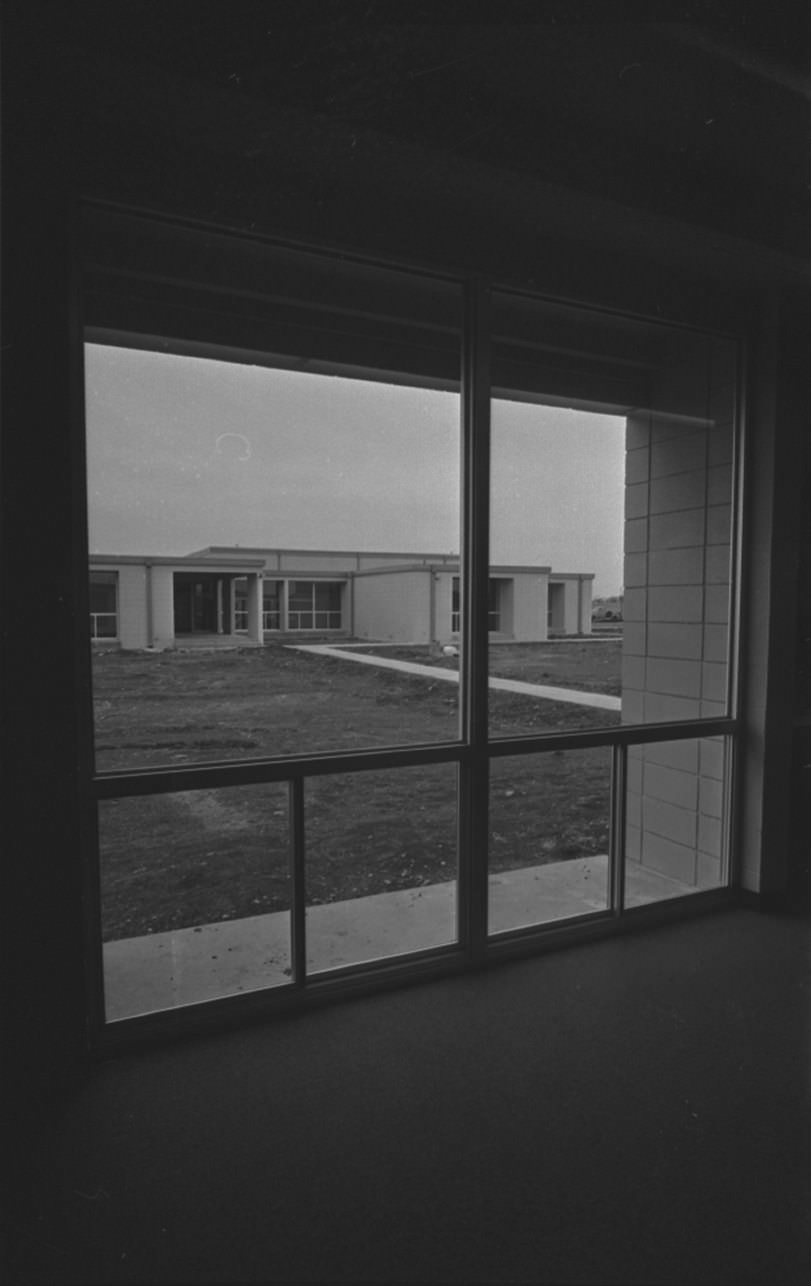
{"x":195,"y":600}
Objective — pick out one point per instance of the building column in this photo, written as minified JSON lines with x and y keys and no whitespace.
{"x":584,"y":613}
{"x":255,"y":632}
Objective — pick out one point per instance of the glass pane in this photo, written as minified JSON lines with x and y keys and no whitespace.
{"x":195,"y":896}
{"x":675,"y":802}
{"x":611,"y":504}
{"x":549,"y":837}
{"x":381,"y":864}
{"x":242,"y":503}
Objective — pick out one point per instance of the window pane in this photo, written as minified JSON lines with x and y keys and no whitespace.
{"x":611,"y":504}
{"x":675,"y":842}
{"x":243,"y":505}
{"x":549,"y":837}
{"x":381,"y":864}
{"x":195,"y":896}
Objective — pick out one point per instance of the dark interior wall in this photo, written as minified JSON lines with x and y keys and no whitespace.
{"x":618,"y":164}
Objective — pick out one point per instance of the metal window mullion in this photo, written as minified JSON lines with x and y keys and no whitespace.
{"x":616,"y":851}
{"x":474,"y":577}
{"x":298,"y":901}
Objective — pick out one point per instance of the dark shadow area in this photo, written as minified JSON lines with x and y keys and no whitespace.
{"x":631,"y":1112}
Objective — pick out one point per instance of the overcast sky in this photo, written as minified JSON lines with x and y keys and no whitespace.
{"x":186,"y":452}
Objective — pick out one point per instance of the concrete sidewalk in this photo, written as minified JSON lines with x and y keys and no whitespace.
{"x":571,"y":695}
{"x":166,"y":970}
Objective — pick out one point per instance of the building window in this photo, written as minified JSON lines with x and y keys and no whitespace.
{"x":271,"y":605}
{"x":241,"y":605}
{"x":103,"y":606}
{"x":313,"y":605}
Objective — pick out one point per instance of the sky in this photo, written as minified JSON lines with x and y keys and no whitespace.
{"x":185,"y":452}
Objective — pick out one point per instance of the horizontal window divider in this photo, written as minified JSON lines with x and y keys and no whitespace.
{"x":248,"y":772}
{"x":599,"y":925}
{"x":622,"y":735}
{"x":222,"y":1012}
{"x":532,"y":931}
{"x":92,"y":207}
{"x":414,"y":961}
{"x":120,"y":783}
{"x":231,"y":234}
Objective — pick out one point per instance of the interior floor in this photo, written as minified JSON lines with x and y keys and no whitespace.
{"x":630,"y":1111}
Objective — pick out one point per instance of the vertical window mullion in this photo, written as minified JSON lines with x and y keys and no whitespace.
{"x":474,"y":580}
{"x":298,"y":902}
{"x":616,"y":832}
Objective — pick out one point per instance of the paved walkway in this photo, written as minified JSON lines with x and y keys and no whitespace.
{"x":185,"y":966}
{"x":596,"y":699}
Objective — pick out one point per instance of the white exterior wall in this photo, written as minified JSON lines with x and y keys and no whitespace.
{"x":530,"y":607}
{"x":571,"y":606}
{"x":132,"y":605}
{"x":585,"y":588}
{"x":393,"y":560}
{"x":163,"y":607}
{"x":395,"y":608}
{"x":442,"y":583}
{"x":677,"y":558}
{"x":305,"y":565}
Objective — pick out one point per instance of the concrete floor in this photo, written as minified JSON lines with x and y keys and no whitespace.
{"x":165,"y":970}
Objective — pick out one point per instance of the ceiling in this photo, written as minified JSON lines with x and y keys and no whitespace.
{"x":707,"y":125}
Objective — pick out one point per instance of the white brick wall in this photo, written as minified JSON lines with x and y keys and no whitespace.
{"x":677,"y":563}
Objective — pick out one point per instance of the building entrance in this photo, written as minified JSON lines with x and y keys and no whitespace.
{"x":195,"y":600}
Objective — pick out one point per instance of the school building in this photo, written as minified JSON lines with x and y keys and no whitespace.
{"x":229,"y":594}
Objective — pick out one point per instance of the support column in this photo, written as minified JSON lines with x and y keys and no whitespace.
{"x":255,"y":632}
{"x":231,"y":605}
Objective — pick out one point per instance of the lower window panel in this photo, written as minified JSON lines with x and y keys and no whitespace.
{"x":675,"y":808}
{"x":195,"y":896}
{"x":549,"y":837}
{"x":381,"y":864}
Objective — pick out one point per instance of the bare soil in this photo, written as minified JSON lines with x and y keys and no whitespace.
{"x":194,"y":857}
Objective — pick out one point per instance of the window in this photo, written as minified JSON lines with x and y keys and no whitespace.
{"x":271,"y":605}
{"x":103,"y":605}
{"x":313,"y":606}
{"x":241,"y":605}
{"x":387,"y":799}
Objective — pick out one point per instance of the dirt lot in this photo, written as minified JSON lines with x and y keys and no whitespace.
{"x":199,"y":856}
{"x":590,"y":667}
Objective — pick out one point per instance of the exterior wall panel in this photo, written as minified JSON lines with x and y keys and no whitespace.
{"x":132,"y":613}
{"x":395,"y":608}
{"x":530,"y":607}
{"x":163,"y":607}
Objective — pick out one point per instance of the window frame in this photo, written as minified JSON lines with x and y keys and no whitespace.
{"x":471,"y":751}
{"x":112,"y":580}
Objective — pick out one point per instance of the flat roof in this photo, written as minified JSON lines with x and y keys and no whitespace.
{"x":183,"y":563}
{"x":233,"y":558}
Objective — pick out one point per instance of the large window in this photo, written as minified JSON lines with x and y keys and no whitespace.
{"x":427,"y":745}
{"x":313,"y":605}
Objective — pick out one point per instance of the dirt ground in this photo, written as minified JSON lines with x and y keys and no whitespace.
{"x":589,"y":666}
{"x":195,"y":857}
